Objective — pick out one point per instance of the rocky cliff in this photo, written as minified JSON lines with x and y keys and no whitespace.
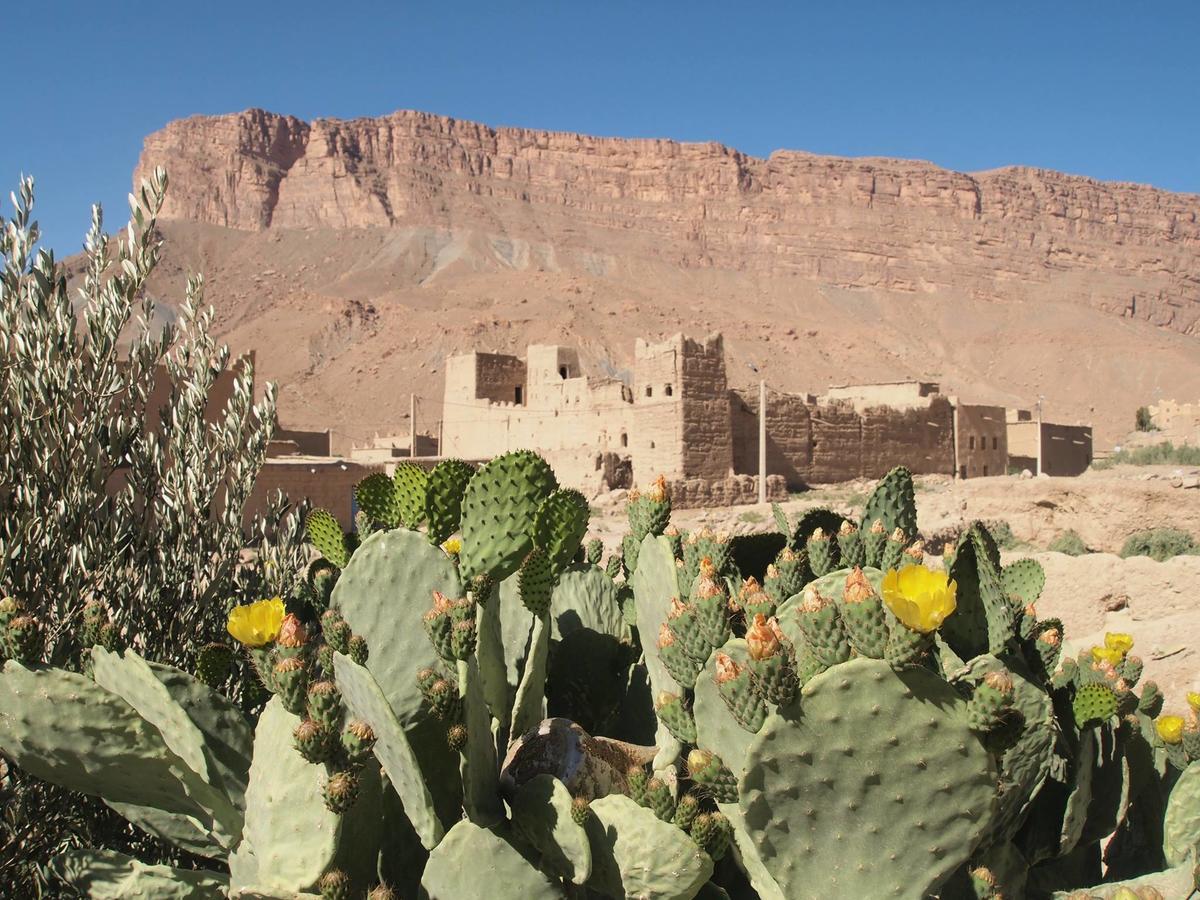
{"x":356,"y":255}
{"x":605,"y":205}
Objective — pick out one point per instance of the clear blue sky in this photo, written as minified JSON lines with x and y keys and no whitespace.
{"x":1100,"y":88}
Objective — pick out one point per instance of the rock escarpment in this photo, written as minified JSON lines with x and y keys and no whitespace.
{"x":618,"y":208}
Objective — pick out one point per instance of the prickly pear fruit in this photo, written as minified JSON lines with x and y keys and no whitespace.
{"x":685,"y":623}
{"x":313,"y":742}
{"x":358,"y":649}
{"x":678,"y":719}
{"x":335,"y":630}
{"x":637,"y":780}
{"x":335,"y":885}
{"x":682,"y":665}
{"x":657,"y":798}
{"x":711,"y":605}
{"x":786,"y":576}
{"x":873,"y":541}
{"x":822,"y":627}
{"x":456,"y":737}
{"x":325,"y":704}
{"x":291,"y":682}
{"x":581,"y":810}
{"x":1131,"y":670}
{"x":712,"y":833}
{"x":850,"y":544}
{"x":710,"y":773}
{"x":341,"y":791}
{"x":753,"y":600}
{"x":992,"y":697}
{"x":443,"y":699}
{"x":1151,"y":702}
{"x":736,"y":688}
{"x":594,"y":552}
{"x":438,"y":625}
{"x":213,"y":663}
{"x":863,"y":616}
{"x":686,"y":811}
{"x":357,"y":741}
{"x":822,"y":556}
{"x":25,"y":639}
{"x":772,"y":661}
{"x":893,"y":550}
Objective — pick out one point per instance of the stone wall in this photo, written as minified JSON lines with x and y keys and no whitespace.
{"x":326,"y":483}
{"x":982,"y":441}
{"x":707,"y":450}
{"x":1065,"y":449}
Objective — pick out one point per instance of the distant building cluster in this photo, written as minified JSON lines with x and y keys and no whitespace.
{"x":678,"y":417}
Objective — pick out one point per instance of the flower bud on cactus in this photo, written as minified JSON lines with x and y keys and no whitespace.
{"x":335,"y":885}
{"x":850,"y":545}
{"x":381,"y":892}
{"x":443,"y":699}
{"x":292,"y":633}
{"x":822,"y":627}
{"x":873,"y":541}
{"x":358,"y":649}
{"x":581,"y":810}
{"x":672,"y":713}
{"x":686,"y":811}
{"x":1151,"y":702}
{"x":357,"y":741}
{"x":991,"y":698}
{"x":709,"y":772}
{"x":341,"y":791}
{"x":325,"y":704}
{"x":456,"y":737}
{"x":313,"y":742}
{"x":291,"y":682}
{"x":893,"y":550}
{"x":335,"y":630}
{"x":761,"y":639}
{"x":712,"y":833}
{"x":822,"y":557}
{"x":438,"y":625}
{"x":481,"y":588}
{"x":658,"y":799}
{"x":462,"y":639}
{"x":637,"y":779}
{"x":683,"y":666}
{"x":213,"y":663}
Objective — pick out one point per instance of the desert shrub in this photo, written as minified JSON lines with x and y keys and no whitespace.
{"x":1160,"y":544}
{"x":1000,"y":530}
{"x":114,"y":501}
{"x":1142,"y":420}
{"x":1164,"y":454}
{"x":1068,"y":542}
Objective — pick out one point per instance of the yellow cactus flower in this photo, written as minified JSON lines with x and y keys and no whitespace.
{"x":452,"y":546}
{"x":920,"y":597}
{"x":256,"y":623}
{"x":1115,"y":640}
{"x":1194,"y":701}
{"x":1108,"y":655}
{"x":1170,"y":728}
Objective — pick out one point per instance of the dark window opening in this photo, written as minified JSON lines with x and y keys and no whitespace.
{"x":985,"y":471}
{"x":669,"y":390}
{"x":972,"y":442}
{"x":995,"y":442}
{"x":624,"y":439}
{"x":649,"y":391}
{"x":517,"y":393}
{"x":962,"y":471}
{"x":652,"y":445}
{"x":562,"y":371}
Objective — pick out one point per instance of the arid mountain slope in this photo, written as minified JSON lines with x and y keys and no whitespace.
{"x":355,"y":255}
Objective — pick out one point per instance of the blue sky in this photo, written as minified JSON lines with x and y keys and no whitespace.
{"x":1100,"y":88}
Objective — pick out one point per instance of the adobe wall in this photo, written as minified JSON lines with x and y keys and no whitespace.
{"x":326,"y":483}
{"x":897,"y":395}
{"x":310,"y":443}
{"x":707,"y":445}
{"x":1066,"y":449}
{"x":656,"y":432}
{"x":812,"y":443}
{"x":982,"y":441}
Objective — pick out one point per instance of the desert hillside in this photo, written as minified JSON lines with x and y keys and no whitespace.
{"x":360,"y":253}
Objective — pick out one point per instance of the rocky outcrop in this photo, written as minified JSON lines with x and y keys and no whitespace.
{"x":613,"y":207}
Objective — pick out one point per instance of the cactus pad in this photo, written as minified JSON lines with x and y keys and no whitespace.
{"x":542,"y":814}
{"x":327,"y":536}
{"x":474,"y":863}
{"x":377,"y":497}
{"x":1023,"y":579}
{"x":894,"y":502}
{"x":410,"y":483}
{"x":498,"y":507}
{"x":880,"y":758}
{"x":443,"y":497}
{"x":559,"y":526}
{"x":1093,"y":703}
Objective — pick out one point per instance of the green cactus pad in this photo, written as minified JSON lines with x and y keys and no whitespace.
{"x":542,"y":815}
{"x":376,"y":496}
{"x":411,"y":483}
{"x":634,"y":854}
{"x":584,"y":597}
{"x":498,"y":508}
{"x":474,"y":863}
{"x":290,"y":837}
{"x":535,"y":581}
{"x":108,"y":875}
{"x":1023,"y":579}
{"x":983,"y":620}
{"x":559,"y":526}
{"x":327,"y":536}
{"x":654,"y":585}
{"x":219,"y":757}
{"x":593,"y":552}
{"x":781,"y":520}
{"x":880,"y":754}
{"x":812,"y":519}
{"x":443,"y":497}
{"x":894,"y":502}
{"x":66,"y":729}
{"x":677,"y":717}
{"x":1181,"y":827}
{"x":1093,"y":703}
{"x":366,"y":702}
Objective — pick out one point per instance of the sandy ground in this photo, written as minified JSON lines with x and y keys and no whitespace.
{"x":1158,"y":603}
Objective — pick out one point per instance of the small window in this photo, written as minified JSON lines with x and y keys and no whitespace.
{"x":995,"y":442}
{"x":985,"y":471}
{"x":517,"y":393}
{"x":668,"y":390}
{"x":624,"y":439}
{"x":649,"y":391}
{"x":962,"y":471}
{"x":972,"y":445}
{"x":652,"y":445}
{"x":562,"y":371}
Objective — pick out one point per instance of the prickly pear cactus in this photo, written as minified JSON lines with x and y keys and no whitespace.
{"x":863,"y":754}
{"x":893,"y":502}
{"x":443,"y":501}
{"x":498,"y":507}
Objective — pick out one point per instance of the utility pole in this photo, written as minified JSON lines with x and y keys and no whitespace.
{"x":412,"y":425}
{"x":762,"y":441}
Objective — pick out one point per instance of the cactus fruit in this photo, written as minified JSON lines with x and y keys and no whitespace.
{"x":443,"y":699}
{"x":985,"y":711}
{"x":681,"y":665}
{"x":594,"y":552}
{"x":536,"y":582}
{"x":438,"y":626}
{"x":325,"y":704}
{"x":772,"y":662}
{"x":705,"y":544}
{"x":581,"y":811}
{"x":637,"y":779}
{"x":1151,"y":702}
{"x":335,"y":885}
{"x":822,"y":627}
{"x":456,"y":737}
{"x":863,"y":616}
{"x":736,"y":687}
{"x":710,"y":774}
{"x":335,"y":630}
{"x":752,"y":600}
{"x":1049,"y":648}
{"x":874,"y":539}
{"x":657,"y":798}
{"x":214,"y":663}
{"x":850,"y":545}
{"x":678,"y":719}
{"x":893,"y":550}
{"x":462,"y":638}
{"x":290,"y":678}
{"x":382,"y":892}
{"x":1094,"y":703}
{"x":341,"y":791}
{"x":711,"y":606}
{"x":821,"y":551}
{"x":356,"y":649}
{"x":357,"y":741}
{"x":614,"y":566}
{"x":685,"y":623}
{"x":649,"y":511}
{"x":313,"y":741}
{"x":24,"y":639}
{"x":786,"y":576}
{"x":686,"y":811}
{"x":712,"y":833}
